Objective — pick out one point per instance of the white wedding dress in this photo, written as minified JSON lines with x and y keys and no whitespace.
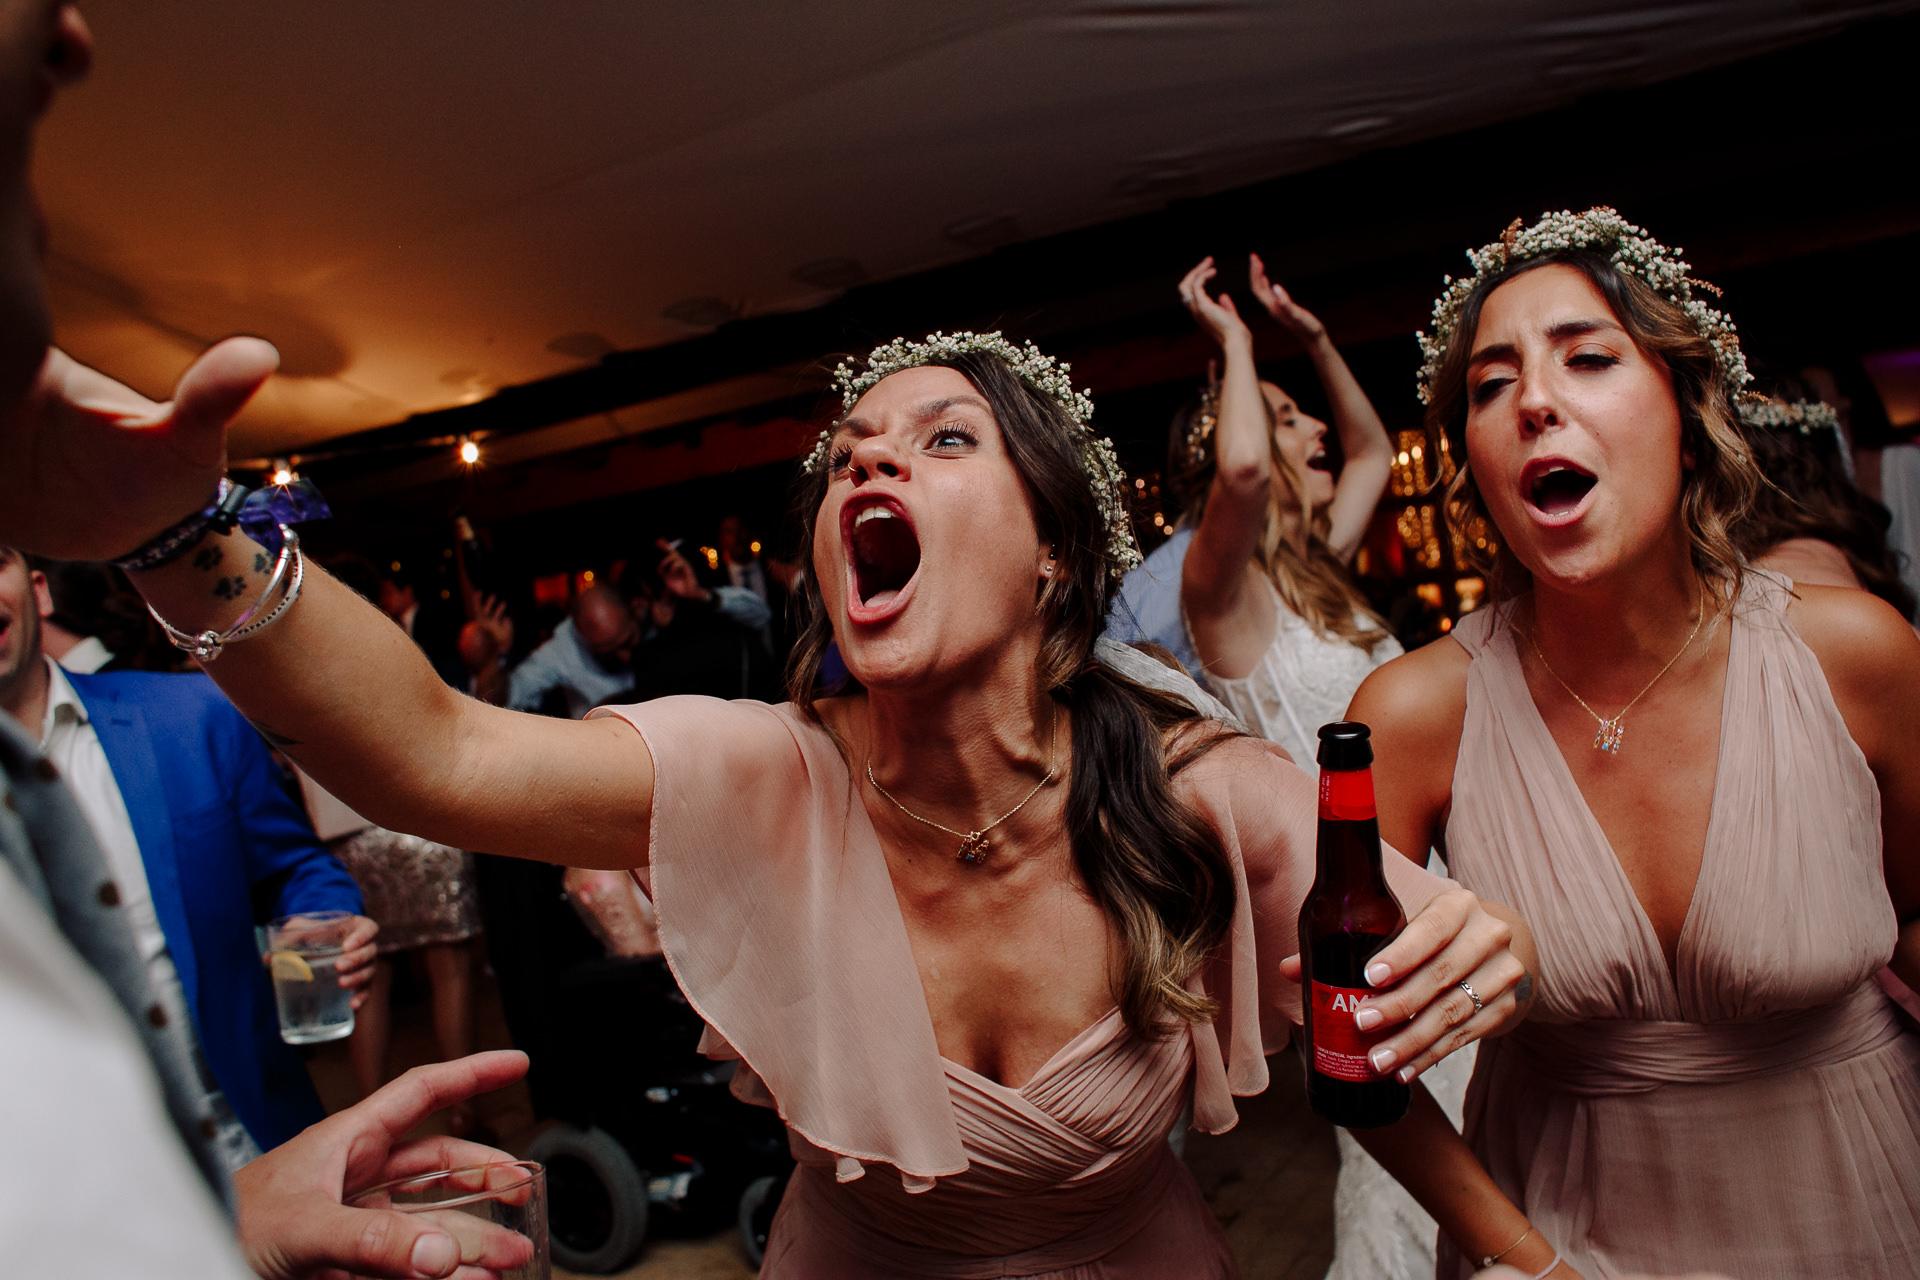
{"x":1304,"y":680}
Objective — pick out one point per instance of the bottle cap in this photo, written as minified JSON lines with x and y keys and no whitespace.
{"x":1346,"y":745}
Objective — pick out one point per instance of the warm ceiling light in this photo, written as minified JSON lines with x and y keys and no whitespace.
{"x":469,"y":451}
{"x":283,"y":472}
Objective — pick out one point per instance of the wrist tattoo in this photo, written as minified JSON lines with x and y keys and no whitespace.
{"x":229,"y":588}
{"x":260,"y":562}
{"x":208,"y":558}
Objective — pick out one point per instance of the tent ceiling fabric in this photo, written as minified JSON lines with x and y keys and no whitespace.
{"x":423,"y":203}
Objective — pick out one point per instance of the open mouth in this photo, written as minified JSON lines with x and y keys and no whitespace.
{"x":1557,"y":489}
{"x":1317,"y":460}
{"x":885,"y":554}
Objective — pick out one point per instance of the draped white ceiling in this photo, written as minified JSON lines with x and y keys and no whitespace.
{"x":421,"y":202}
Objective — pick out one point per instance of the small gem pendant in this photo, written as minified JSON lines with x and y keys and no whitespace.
{"x":973,"y":849}
{"x":1607,"y":736}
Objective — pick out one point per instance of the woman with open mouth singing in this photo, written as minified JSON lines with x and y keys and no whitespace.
{"x":1699,"y":782}
{"x":980,"y":922}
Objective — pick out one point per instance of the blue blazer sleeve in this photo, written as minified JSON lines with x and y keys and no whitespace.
{"x":275,"y":833}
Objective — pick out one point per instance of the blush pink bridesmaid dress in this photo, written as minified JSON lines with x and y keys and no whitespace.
{"x":1754,"y":1111}
{"x":779,"y":918}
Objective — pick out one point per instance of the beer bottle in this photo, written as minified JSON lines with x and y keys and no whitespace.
{"x":1349,"y":915}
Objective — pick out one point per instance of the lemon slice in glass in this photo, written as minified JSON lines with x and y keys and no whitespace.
{"x":289,"y":966}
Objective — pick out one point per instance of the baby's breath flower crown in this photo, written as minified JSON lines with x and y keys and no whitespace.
{"x":1804,"y":416}
{"x":1041,"y":372}
{"x":1629,"y":248}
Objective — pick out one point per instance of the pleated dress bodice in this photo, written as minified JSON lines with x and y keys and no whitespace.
{"x":1754,"y":1108}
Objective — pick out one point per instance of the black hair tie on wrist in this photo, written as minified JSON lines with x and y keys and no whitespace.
{"x":170,"y":544}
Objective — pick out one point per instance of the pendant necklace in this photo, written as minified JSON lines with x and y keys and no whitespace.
{"x":974,"y":844}
{"x":1607,"y":737}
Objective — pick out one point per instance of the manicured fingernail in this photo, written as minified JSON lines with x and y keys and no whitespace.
{"x":1407,"y":1073}
{"x":435,"y":1255}
{"x":1368,"y":1019}
{"x":1378,"y":973}
{"x":1383,"y":1058}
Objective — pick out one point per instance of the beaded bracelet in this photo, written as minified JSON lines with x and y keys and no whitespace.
{"x":169,"y":545}
{"x":206,"y":645}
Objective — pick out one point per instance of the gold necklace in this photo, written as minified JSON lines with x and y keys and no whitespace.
{"x":1607,"y":737}
{"x":973,"y":844}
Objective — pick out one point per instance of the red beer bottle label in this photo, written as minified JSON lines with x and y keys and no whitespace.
{"x":1340,"y":1048}
{"x":1347,"y":795}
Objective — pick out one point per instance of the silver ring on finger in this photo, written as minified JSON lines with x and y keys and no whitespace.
{"x":1478,"y":1003}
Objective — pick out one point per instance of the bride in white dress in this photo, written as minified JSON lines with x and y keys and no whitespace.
{"x":1284,"y":639}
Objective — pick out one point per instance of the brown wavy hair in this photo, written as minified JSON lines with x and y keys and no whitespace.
{"x":1716,"y":492}
{"x":1315,"y":585}
{"x":1157,"y":871}
{"x":1807,"y":495}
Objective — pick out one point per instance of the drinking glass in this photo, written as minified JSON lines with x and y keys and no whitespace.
{"x":303,"y":955}
{"x":497,"y":1213}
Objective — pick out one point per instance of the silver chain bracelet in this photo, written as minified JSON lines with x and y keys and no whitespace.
{"x":205,"y":646}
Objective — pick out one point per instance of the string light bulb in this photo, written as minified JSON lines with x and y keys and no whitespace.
{"x":469,"y":451}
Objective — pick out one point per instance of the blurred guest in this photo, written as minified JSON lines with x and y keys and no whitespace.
{"x":698,"y":639}
{"x":589,"y":657}
{"x":429,"y":617}
{"x":424,"y":897}
{"x":772,"y":580}
{"x":97,"y":623}
{"x":187,"y":804}
{"x":1809,"y":521}
{"x":1148,"y":607}
{"x":1285,"y":639}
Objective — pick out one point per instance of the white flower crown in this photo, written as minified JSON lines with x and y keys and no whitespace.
{"x":1629,"y":248}
{"x":1804,"y":416}
{"x":1041,"y":372}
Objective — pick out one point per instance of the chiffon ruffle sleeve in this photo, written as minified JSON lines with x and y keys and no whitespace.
{"x":778,"y":918}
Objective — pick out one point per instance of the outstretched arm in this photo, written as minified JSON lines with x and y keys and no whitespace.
{"x":332,"y":683}
{"x":1364,"y":445}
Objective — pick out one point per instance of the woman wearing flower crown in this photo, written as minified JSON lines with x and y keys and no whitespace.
{"x":1284,"y":638}
{"x":988,"y":917}
{"x":1281,"y":633}
{"x":1810,"y":521}
{"x":1699,"y":783}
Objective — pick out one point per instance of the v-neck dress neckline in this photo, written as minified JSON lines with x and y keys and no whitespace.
{"x":782,"y":927}
{"x":1608,"y":862}
{"x":1754,"y":1109}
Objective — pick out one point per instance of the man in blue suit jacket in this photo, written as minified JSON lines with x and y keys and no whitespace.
{"x":214,"y":822}
{"x":215,"y":830}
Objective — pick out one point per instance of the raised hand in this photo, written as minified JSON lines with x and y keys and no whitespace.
{"x":1294,"y":318}
{"x":94,"y":468}
{"x":492,"y":617}
{"x":357,"y":955}
{"x":1217,"y":316}
{"x":678,"y":574}
{"x":293,"y":1224}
